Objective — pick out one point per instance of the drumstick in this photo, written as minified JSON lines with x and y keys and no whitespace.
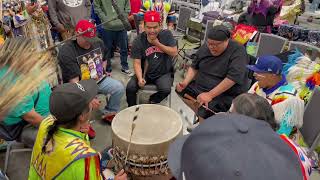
{"x":146,"y":64}
{"x":187,"y":96}
{"x":79,"y":34}
{"x":132,"y":128}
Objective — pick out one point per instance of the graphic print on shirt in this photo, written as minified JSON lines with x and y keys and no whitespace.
{"x":72,"y":3}
{"x":152,"y":49}
{"x":91,"y":65}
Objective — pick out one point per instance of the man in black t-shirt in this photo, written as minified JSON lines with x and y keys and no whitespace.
{"x":216,"y":76}
{"x":84,"y":58}
{"x":157,"y":48}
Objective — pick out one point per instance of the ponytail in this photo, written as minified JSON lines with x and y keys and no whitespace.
{"x":51,"y":130}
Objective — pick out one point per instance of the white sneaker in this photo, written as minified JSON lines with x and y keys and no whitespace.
{"x":191,"y":127}
{"x":127,"y":72}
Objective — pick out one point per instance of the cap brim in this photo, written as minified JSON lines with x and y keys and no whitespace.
{"x":91,"y":87}
{"x":174,"y":156}
{"x":255,"y":69}
{"x":91,"y":40}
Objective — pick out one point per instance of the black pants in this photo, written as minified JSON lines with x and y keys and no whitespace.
{"x":163,"y":84}
{"x":220,"y":103}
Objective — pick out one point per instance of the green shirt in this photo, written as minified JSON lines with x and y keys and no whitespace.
{"x":42,"y":106}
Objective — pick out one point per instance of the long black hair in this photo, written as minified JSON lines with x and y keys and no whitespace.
{"x":67,"y":123}
{"x":256,"y":107}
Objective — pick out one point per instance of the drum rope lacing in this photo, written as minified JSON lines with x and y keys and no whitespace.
{"x":140,"y":165}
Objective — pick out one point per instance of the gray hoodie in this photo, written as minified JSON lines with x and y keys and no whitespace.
{"x":68,"y":12}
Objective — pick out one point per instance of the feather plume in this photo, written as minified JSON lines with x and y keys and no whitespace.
{"x":26,"y":68}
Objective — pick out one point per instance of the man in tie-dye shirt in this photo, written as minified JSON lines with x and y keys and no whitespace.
{"x":272,"y":85}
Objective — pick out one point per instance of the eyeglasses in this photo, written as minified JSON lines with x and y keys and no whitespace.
{"x":213,"y":45}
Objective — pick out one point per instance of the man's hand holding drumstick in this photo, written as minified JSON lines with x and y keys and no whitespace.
{"x":202,"y":100}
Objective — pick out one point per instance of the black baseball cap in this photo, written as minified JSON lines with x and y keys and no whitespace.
{"x":219,"y":33}
{"x":233,"y":147}
{"x":69,"y":100}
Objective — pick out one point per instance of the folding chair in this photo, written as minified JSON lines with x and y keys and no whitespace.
{"x":11,"y":150}
{"x":209,"y":26}
{"x":151,"y":89}
{"x":311,"y":124}
{"x":270,"y":44}
{"x":190,"y":43}
{"x":184,"y":15}
{"x":305,"y":48}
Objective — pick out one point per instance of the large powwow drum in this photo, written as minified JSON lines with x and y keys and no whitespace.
{"x":155,"y":128}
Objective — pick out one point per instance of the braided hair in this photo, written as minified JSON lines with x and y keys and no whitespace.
{"x":52,"y":129}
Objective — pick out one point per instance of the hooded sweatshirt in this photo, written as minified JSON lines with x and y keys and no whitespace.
{"x":106,"y":12}
{"x":68,"y":12}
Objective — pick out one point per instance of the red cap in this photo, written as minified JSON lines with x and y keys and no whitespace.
{"x":151,"y":16}
{"x":84,"y":25}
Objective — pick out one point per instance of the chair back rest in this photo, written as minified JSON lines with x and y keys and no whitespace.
{"x":312,"y":51}
{"x":209,"y":27}
{"x":270,"y":44}
{"x":311,"y":123}
{"x":184,"y":15}
{"x":194,"y":31}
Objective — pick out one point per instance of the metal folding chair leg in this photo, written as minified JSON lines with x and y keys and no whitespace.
{"x":9,"y":151}
{"x":6,"y":161}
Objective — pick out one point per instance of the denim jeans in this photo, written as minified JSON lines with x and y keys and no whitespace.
{"x":115,"y":89}
{"x":120,"y":38}
{"x":314,"y":6}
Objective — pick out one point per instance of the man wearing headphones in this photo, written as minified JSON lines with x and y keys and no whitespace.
{"x":217,"y":74}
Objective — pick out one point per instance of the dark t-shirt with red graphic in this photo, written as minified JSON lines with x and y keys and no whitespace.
{"x":159,"y":63}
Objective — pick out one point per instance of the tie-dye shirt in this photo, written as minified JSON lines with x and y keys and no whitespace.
{"x":288,"y":107}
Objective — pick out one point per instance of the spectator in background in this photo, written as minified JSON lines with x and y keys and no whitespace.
{"x":114,"y":31}
{"x":29,"y":21}
{"x":272,"y":85}
{"x":65,"y":14}
{"x":164,"y":8}
{"x":135,"y":8}
{"x":261,"y":13}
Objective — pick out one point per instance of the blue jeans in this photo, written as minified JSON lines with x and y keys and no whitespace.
{"x":120,"y":38}
{"x":314,"y":6}
{"x":115,"y":89}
